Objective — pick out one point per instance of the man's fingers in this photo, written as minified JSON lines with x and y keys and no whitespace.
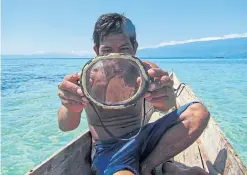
{"x":70,"y":96}
{"x":157,"y":72}
{"x":73,"y":104}
{"x":148,"y":65}
{"x":158,"y":84}
{"x":71,"y":87}
{"x":158,"y":93}
{"x":73,"y":77}
{"x":155,"y":85}
{"x":167,"y":81}
{"x":66,"y":102}
{"x":139,"y":80}
{"x":158,"y":99}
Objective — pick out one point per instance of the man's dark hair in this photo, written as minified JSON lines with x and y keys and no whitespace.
{"x":113,"y":23}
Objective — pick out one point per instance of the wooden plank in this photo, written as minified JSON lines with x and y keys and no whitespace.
{"x":189,"y":157}
{"x":217,"y":154}
{"x":74,"y":162}
{"x":221,"y":156}
{"x":77,"y":152}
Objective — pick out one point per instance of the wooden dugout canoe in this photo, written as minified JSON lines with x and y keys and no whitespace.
{"x":211,"y":151}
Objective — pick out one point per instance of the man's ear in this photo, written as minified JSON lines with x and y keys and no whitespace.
{"x":96,"y":50}
{"x":135,"y":46}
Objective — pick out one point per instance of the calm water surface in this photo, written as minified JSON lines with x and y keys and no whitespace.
{"x":29,"y":104}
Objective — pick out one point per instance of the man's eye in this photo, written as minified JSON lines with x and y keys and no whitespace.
{"x":106,"y":50}
{"x":124,"y":48}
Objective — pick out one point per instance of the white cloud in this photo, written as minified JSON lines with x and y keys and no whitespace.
{"x":169,"y":43}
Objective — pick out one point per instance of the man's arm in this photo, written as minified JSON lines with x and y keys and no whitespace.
{"x":68,"y":120}
{"x":73,"y":101}
{"x":191,"y":124}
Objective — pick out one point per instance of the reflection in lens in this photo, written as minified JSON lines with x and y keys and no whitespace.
{"x":113,"y":81}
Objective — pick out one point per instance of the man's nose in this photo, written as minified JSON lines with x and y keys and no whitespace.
{"x":116,"y":50}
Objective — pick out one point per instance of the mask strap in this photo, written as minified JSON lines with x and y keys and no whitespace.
{"x":118,"y":138}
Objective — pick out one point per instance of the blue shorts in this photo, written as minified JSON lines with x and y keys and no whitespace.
{"x":114,"y":155}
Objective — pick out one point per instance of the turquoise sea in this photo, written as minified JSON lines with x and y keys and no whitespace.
{"x":29,"y":104}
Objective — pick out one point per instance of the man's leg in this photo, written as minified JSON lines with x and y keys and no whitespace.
{"x":193,"y":121}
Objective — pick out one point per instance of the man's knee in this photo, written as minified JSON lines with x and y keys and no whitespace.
{"x":196,"y":116}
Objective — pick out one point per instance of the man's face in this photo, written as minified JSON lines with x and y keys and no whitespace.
{"x":115,"y":43}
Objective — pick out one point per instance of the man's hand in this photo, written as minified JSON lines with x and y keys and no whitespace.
{"x":71,"y":94}
{"x":161,"y":93}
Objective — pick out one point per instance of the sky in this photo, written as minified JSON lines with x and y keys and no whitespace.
{"x":66,"y":26}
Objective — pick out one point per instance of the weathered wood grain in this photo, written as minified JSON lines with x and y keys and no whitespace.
{"x":69,"y":160}
{"x":189,"y":157}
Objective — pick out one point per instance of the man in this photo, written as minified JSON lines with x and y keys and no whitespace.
{"x":157,"y":142}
